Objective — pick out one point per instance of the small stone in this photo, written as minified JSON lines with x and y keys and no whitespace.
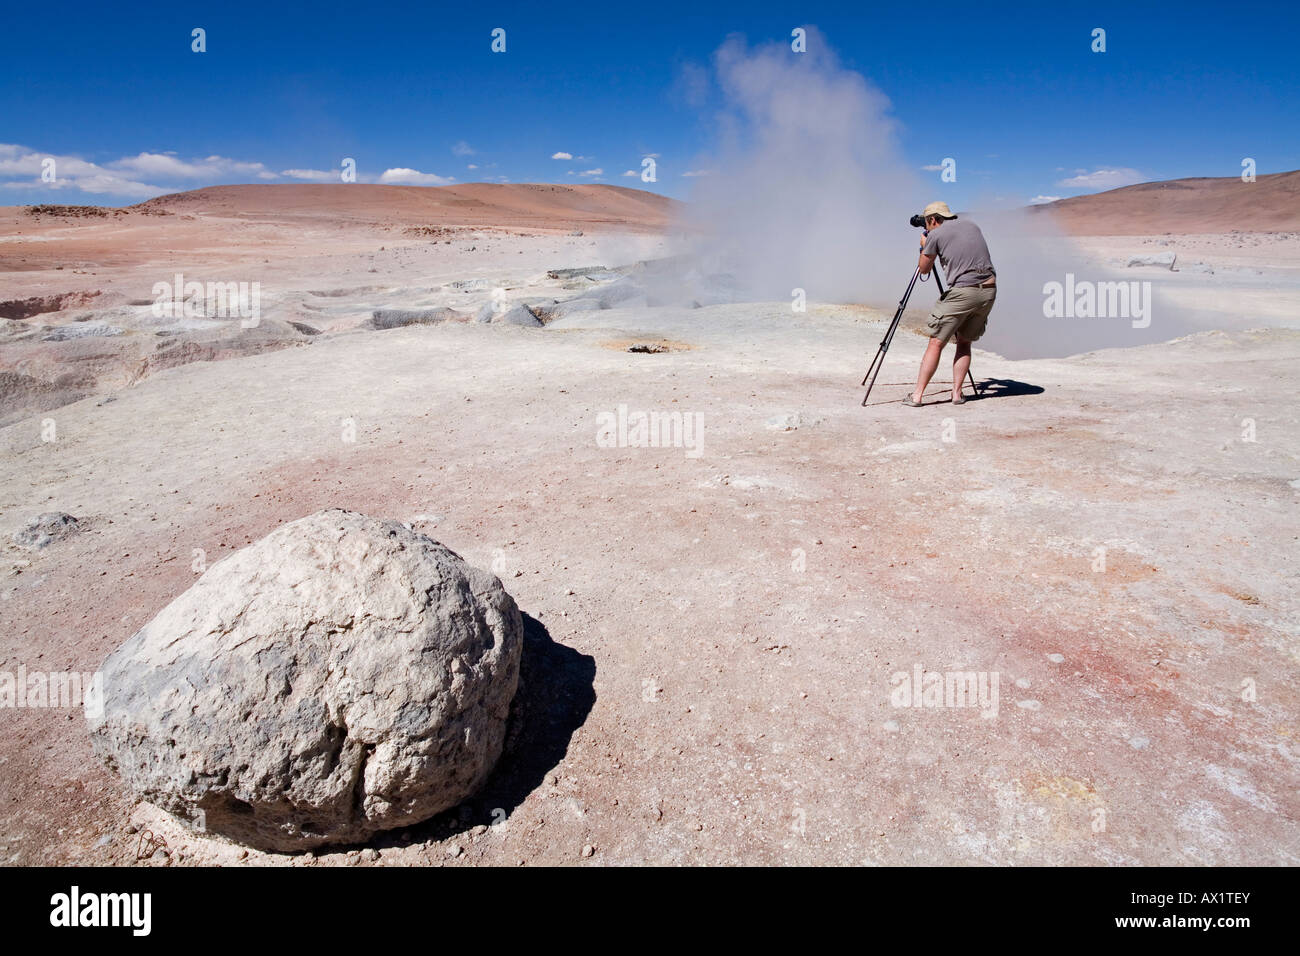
{"x":46,"y":528}
{"x":588,"y":851}
{"x":1056,"y":658}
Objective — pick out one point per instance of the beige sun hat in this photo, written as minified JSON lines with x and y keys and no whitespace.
{"x":938,"y":209}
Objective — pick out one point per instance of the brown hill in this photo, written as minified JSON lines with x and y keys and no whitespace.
{"x":472,"y":204}
{"x":1270,"y":204}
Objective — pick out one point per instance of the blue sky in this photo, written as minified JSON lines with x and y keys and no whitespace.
{"x":414,"y":93}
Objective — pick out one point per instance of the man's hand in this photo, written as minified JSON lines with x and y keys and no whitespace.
{"x":925,"y":263}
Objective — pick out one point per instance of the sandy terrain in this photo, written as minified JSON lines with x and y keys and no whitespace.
{"x":712,"y":636}
{"x":1225,"y":204}
{"x":1248,"y":278}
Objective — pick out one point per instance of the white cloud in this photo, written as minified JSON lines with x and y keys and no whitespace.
{"x":561,"y":156}
{"x":697,"y":172}
{"x":592,"y":172}
{"x":462,"y":148}
{"x":167,"y":166}
{"x":631,"y":172}
{"x":1103,"y":178}
{"x":1040,"y":200}
{"x":311,"y":175}
{"x":133,"y":177}
{"x":472,"y":166}
{"x":933,"y":168}
{"x":148,"y":174}
{"x":22,"y":167}
{"x":94,"y":185}
{"x":403,"y":176}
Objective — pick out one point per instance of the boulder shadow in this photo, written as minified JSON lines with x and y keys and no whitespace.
{"x":556,"y":694}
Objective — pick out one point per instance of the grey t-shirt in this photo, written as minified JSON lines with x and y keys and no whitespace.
{"x":961,"y":248}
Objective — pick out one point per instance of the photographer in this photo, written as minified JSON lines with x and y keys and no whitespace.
{"x":963,"y":310}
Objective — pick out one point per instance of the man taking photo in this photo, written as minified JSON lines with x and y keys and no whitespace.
{"x":963,"y":310}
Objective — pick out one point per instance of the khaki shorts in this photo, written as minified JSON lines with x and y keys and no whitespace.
{"x":963,"y":311}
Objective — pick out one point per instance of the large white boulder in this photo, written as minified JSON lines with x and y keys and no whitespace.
{"x":340,"y":677}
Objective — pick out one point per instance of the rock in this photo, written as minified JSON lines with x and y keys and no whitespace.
{"x":561,"y":309}
{"x":649,"y":348}
{"x":519,"y":315}
{"x":791,"y":422}
{"x":13,"y":329}
{"x":340,"y":677}
{"x":396,"y":318}
{"x":590,"y":272}
{"x":470,"y":285}
{"x":84,"y":330}
{"x":46,"y":528}
{"x":1163,"y":259}
{"x":304,"y":328}
{"x":485,"y":314}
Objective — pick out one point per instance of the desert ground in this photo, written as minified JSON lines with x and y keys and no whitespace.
{"x":713,"y":630}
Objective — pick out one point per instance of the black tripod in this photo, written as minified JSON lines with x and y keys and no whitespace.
{"x":879,"y":360}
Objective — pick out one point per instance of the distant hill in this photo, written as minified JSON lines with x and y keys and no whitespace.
{"x":1270,"y":204}
{"x":472,"y":204}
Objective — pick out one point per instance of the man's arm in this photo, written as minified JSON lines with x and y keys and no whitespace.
{"x":926,"y":263}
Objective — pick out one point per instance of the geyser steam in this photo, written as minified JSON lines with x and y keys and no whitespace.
{"x":807,"y":189}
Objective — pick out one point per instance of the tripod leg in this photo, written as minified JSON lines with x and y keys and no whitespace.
{"x":875,"y":368}
{"x":879,"y":361}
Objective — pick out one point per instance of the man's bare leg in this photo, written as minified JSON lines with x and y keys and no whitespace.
{"x":929,"y":362}
{"x":960,"y":366}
